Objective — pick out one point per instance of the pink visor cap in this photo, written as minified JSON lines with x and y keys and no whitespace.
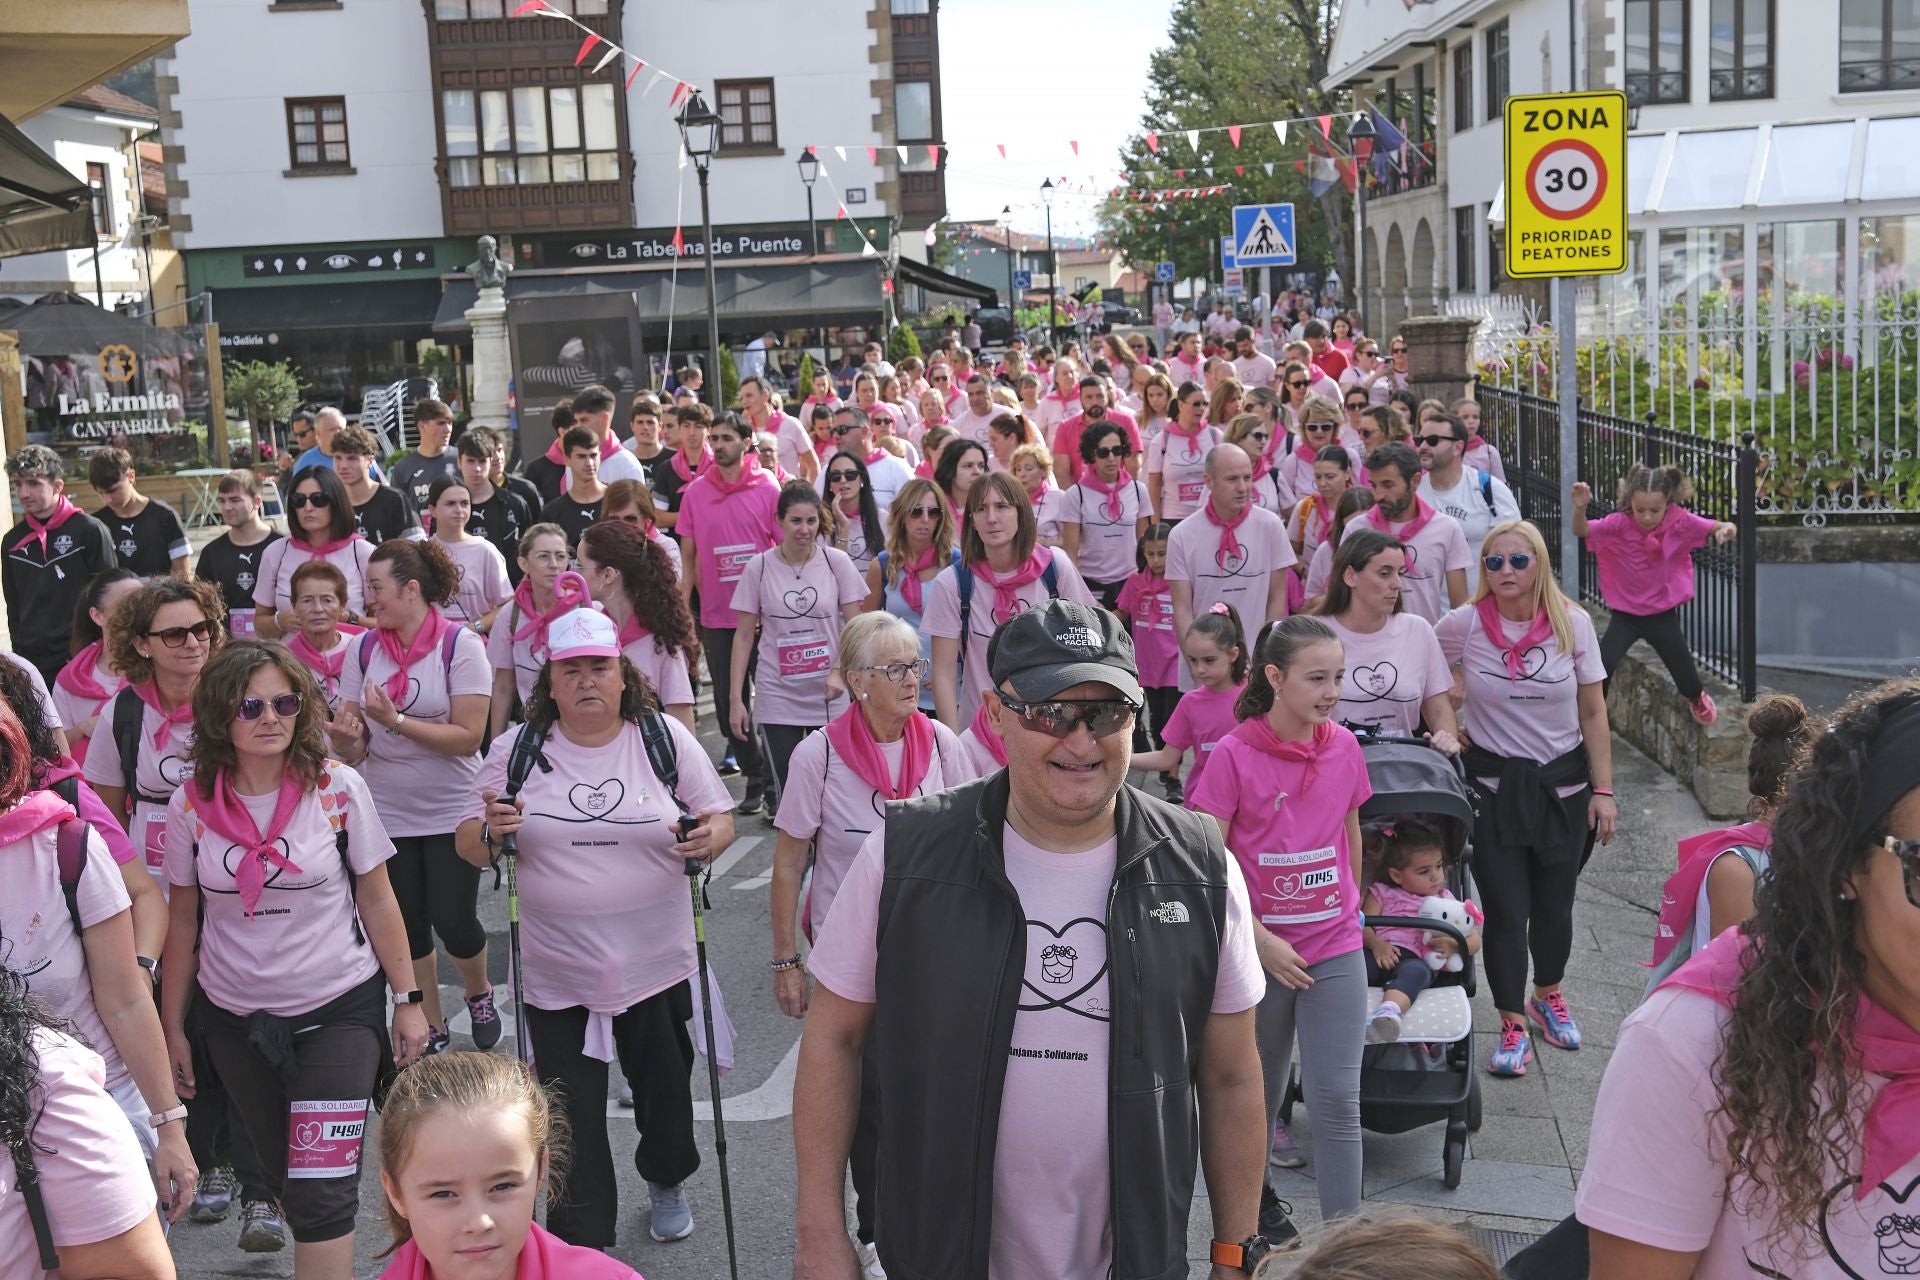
{"x":582,"y":633}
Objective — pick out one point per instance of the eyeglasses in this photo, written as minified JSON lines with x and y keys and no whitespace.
{"x":1297,"y":386}
{"x":556,"y":557}
{"x":1908,"y":851}
{"x":1112,"y":451}
{"x":175,"y":637}
{"x":1356,"y":404}
{"x":841,"y":431}
{"x":835,"y":477}
{"x":1433,"y":442}
{"x":1519,"y":560}
{"x":1259,"y":435}
{"x":1316,"y":426}
{"x":1103,"y":718}
{"x":319,"y":500}
{"x":899,"y":671}
{"x":939,"y":377}
{"x":285,"y":705}
{"x":923,"y":513}
{"x":1398,"y":351}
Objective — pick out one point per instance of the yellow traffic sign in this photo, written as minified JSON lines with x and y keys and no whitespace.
{"x":1566,"y":184}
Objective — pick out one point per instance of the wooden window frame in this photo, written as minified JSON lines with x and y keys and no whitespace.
{"x":748,"y":146}
{"x":102,"y":199}
{"x":321,"y":165}
{"x":1503,"y":82}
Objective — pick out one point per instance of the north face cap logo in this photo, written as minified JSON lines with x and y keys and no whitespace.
{"x":1078,"y":638}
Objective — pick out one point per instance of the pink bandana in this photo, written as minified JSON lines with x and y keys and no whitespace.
{"x":36,"y":811}
{"x":853,"y":738}
{"x":228,"y":818}
{"x":750,"y":476}
{"x":182,"y":714}
{"x":983,"y":730}
{"x":320,"y":551}
{"x":63,"y":511}
{"x":1682,"y":890}
{"x":328,"y":669}
{"x":1113,"y":506}
{"x":1259,"y":735}
{"x":911,"y":588}
{"x":1006,"y":589}
{"x":403,"y":657}
{"x":1422,"y":513}
{"x":1516,"y":651}
{"x":699,"y":468}
{"x":78,"y":678}
{"x":1230,"y":548}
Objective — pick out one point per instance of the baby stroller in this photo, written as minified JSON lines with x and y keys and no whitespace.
{"x":1404,"y":1085}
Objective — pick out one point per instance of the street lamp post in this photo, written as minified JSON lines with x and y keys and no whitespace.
{"x":1006,"y":221}
{"x":700,"y":134}
{"x":1053,"y":270}
{"x":810,"y":170}
{"x":1360,"y":136}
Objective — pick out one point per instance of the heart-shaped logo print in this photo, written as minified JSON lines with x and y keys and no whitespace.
{"x":1378,"y":679}
{"x":1532,"y":660}
{"x":231,"y":861}
{"x":1287,"y":886}
{"x":597,"y":800}
{"x":1413,"y":559}
{"x":1014,"y":610}
{"x":307,"y":1134}
{"x":1231,"y":561}
{"x":175,"y":771}
{"x":1871,"y":1236}
{"x":413,"y":694}
{"x":1061,"y":967}
{"x":800,"y":601}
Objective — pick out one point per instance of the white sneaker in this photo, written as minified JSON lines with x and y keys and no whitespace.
{"x":869,"y":1256}
{"x":1384,"y":1026}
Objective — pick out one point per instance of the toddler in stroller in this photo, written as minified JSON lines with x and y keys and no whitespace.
{"x":1406,"y":865}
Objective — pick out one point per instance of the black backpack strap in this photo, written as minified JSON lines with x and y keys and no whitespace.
{"x":27,"y":1174}
{"x":71,"y":843}
{"x":525,"y":753}
{"x":128,"y":714}
{"x":340,"y":844}
{"x":963,"y":583}
{"x":662,"y":756}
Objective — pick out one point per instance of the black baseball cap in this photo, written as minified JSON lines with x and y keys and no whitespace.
{"x":1048,"y":650}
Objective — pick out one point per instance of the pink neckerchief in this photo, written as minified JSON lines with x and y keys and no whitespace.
{"x":608,"y":447}
{"x":1151,"y":584}
{"x":1422,"y":514}
{"x":1320,"y":520}
{"x":925,"y":470}
{"x":1476,"y":441}
{"x":569,"y":593}
{"x":1682,"y":890}
{"x":78,"y":678}
{"x":750,"y":476}
{"x":404,"y":656}
{"x":1886,"y":1047}
{"x":36,"y":811}
{"x":699,"y":468}
{"x":1515,"y":652}
{"x":228,"y":818}
{"x":911,"y":588}
{"x":1006,"y":589}
{"x":983,"y":731}
{"x":852,"y":737}
{"x":1306,"y":453}
{"x":1655,"y":539}
{"x":63,"y":511}
{"x":149,"y":693}
{"x":877,"y":454}
{"x":1176,"y":430}
{"x":1113,"y":506}
{"x":1259,"y":735}
{"x":327,"y":668}
{"x":544,"y":1257}
{"x":631,"y":630}
{"x":322,"y":550}
{"x":1229,"y":541}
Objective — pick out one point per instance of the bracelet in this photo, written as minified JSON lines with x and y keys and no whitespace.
{"x":1604,"y":791}
{"x":781,"y":966}
{"x":176,"y":1112}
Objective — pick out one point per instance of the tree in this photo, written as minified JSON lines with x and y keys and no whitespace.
{"x":901,"y":343}
{"x":267,"y":393}
{"x":1232,"y":62}
{"x":729,"y":375}
{"x":803,"y":381}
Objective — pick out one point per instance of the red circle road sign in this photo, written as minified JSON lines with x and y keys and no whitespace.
{"x":1574,"y":184}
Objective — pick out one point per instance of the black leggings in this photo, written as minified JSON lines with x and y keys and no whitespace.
{"x":439,"y":892}
{"x":656,"y":1054}
{"x":781,"y":739}
{"x":1528,"y":896}
{"x":1409,"y":977}
{"x":1662,"y":631}
{"x":1161,"y":700}
{"x":718,"y":644}
{"x":1107,"y":593}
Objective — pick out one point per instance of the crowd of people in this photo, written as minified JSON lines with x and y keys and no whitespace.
{"x":246,"y":803}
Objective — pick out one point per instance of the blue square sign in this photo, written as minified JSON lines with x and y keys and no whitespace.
{"x":1263,"y":235}
{"x":1023,"y":279}
{"x":1226,"y":252}
{"x":1163,"y":273}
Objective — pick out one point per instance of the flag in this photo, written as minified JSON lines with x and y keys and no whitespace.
{"x":1280,"y":132}
{"x":933,"y":153}
{"x":613,"y":51}
{"x":873,"y":155}
{"x":1001,"y":147}
{"x":1269,"y":168}
{"x":1193,"y":139}
{"x":679,"y":243}
{"x":1179,"y":173}
{"x":841,"y":152}
{"x":680,"y":90}
{"x":634,"y":74}
{"x":1153,"y":143}
{"x":1075,"y":145}
{"x":902,"y":153}
{"x":1326,"y":127}
{"x":1233,"y":131}
{"x":1389,"y":138}
{"x":841,"y":212}
{"x":1321,"y":173}
{"x":1239,"y":171}
{"x":528,"y":7}
{"x":586,"y":47}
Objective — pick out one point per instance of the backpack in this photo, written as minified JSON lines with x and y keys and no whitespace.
{"x":1757,"y":859}
{"x":963,"y":580}
{"x":72,"y":849}
{"x":1486,"y":491}
{"x":448,"y":642}
{"x":129,"y":713}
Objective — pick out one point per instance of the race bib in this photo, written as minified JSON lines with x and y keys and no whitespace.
{"x":323,"y":1138}
{"x":731,"y":562}
{"x":1193,"y":491}
{"x":154,"y":841}
{"x":808,"y":654}
{"x":240,"y":622}
{"x":1299,"y":888}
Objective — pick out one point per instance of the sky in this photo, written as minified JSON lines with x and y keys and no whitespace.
{"x":993,"y":93}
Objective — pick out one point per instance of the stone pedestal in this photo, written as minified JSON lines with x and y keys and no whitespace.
{"x":492,"y":364}
{"x":1439,"y":355}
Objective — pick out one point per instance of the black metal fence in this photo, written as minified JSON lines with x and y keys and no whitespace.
{"x":1719,"y":621}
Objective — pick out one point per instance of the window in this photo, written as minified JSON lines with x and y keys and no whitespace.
{"x":1465,"y":227}
{"x":746,"y":115}
{"x":1497,"y":82}
{"x":317,"y":134}
{"x":102,"y":200}
{"x":913,"y":110}
{"x":1463,"y":88}
{"x":530,"y":136}
{"x":911,"y":6}
{"x":1879,"y":45}
{"x":1656,"y":51}
{"x":1741,"y":50}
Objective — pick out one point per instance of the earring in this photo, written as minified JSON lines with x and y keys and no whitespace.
{"x":864,"y":695}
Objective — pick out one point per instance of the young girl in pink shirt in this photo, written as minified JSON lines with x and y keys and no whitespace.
{"x":1147,"y":603}
{"x":1216,"y":653}
{"x":1411,"y":859}
{"x":478,"y":1125}
{"x":1645,"y":555}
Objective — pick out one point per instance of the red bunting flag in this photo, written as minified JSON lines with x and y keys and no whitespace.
{"x":529,"y":6}
{"x":1300,"y":165}
{"x":634,"y":74}
{"x":873,"y":155}
{"x":586,"y":47}
{"x":1001,"y":147}
{"x":1239,"y":171}
{"x":1233,"y":131}
{"x":1326,"y":127}
{"x":679,"y":243}
{"x":933,"y":152}
{"x":1075,"y":145}
{"x":680,"y":91}
{"x":1153,"y":143}
{"x":1179,"y":173}
{"x":841,"y":212}
{"x":886,"y":286}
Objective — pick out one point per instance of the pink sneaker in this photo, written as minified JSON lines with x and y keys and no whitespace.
{"x":1286,"y":1153}
{"x":1703,"y":709}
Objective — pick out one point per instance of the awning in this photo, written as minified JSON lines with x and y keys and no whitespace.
{"x":758,"y":295}
{"x":377,"y":308}
{"x":42,"y":206}
{"x":936,"y":281}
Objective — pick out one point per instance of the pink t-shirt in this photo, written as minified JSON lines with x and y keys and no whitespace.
{"x":1107,"y":545}
{"x":1195,"y":555}
{"x":1047,"y":514}
{"x":1200,"y":719}
{"x":1656,"y":1171}
{"x":1295,"y":854}
{"x":974,"y":426}
{"x":1437,"y":550}
{"x":1484,"y":457}
{"x":1181,"y":464}
{"x":334,"y":688}
{"x":1638,"y":578}
{"x":483,"y":579}
{"x":1155,"y":651}
{"x":666,"y":543}
{"x":800,"y":624}
{"x":71,"y":708}
{"x":1181,"y":369}
{"x":1056,"y":409}
{"x":504,"y":652}
{"x":941,"y":618}
{"x":1255,"y":370}
{"x":284,"y":555}
{"x":41,"y":943}
{"x":1050,"y":1175}
{"x":420,"y":792}
{"x":1066,"y":437}
{"x":728,"y":530}
{"x":1320,"y":570}
{"x":665,"y":671}
{"x":1390,"y":672}
{"x":1395,"y":901}
{"x":297,"y":950}
{"x":158,"y":771}
{"x":605,"y":920}
{"x":825,"y":799}
{"x":1536,"y":717}
{"x":93,"y":1175}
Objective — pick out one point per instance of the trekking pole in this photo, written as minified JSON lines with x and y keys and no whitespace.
{"x":713,"y":1053}
{"x":526,"y":750}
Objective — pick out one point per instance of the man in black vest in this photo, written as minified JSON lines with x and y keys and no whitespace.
{"x":1053,"y":962}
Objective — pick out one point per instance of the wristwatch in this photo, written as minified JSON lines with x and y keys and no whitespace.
{"x":175,"y":1112}
{"x":148,"y":963}
{"x":414,"y":996}
{"x":1242,"y":1257}
{"x":399,"y":718}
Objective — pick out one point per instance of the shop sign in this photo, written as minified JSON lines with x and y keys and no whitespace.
{"x":626,"y":248}
{"x":334,"y":260}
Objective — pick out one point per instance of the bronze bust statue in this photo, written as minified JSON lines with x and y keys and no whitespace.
{"x":489,"y":270}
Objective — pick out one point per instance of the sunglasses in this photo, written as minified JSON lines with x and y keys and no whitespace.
{"x":285,"y":705}
{"x":835,"y":477}
{"x":299,"y":500}
{"x":1103,"y":718}
{"x":1908,"y":851}
{"x":1398,"y":351}
{"x":1259,"y":435}
{"x":175,"y":637}
{"x":1356,"y":404}
{"x":1519,"y":560}
{"x":841,"y":431}
{"x":923,"y":513}
{"x":899,"y":671}
{"x":1316,"y":426}
{"x":1112,"y":451}
{"x":1297,"y":386}
{"x":1435,"y":441}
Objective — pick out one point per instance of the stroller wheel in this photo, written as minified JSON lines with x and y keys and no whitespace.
{"x":1453,"y":1157}
{"x":1473,"y":1103}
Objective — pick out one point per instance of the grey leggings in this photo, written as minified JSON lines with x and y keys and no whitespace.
{"x":1331,"y":1017}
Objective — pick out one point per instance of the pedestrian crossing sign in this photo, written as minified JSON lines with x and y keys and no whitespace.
{"x":1263,"y":235}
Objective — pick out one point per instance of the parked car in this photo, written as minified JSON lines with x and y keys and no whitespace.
{"x":996,"y":325}
{"x":1114,"y":313}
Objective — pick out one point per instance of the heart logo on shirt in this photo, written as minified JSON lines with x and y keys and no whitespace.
{"x":306,"y":1135}
{"x":174,"y":771}
{"x":1378,"y":679}
{"x":597,"y":800}
{"x":231,"y":861}
{"x":413,"y":694}
{"x":1879,"y":1217}
{"x":1060,"y":960}
{"x":1017,"y":608}
{"x":800,"y":601}
{"x":1287,"y":886}
{"x":1230,"y":562}
{"x":1413,"y":558}
{"x":1532,"y":660}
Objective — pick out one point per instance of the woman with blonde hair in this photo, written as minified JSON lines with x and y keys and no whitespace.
{"x":1223,"y":405}
{"x":1254,"y":435}
{"x":1032,"y":465}
{"x":1541,"y":765}
{"x":1317,"y":425}
{"x":922,"y":538}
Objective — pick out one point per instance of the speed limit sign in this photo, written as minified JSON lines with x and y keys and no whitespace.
{"x":1566,"y":184}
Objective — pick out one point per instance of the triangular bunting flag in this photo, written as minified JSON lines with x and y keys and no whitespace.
{"x":842,"y":153}
{"x":1193,"y":139}
{"x":933,"y":153}
{"x":841,"y":212}
{"x":902,"y":153}
{"x":679,"y":243}
{"x":653,"y":80}
{"x":886,"y":286}
{"x":1153,"y":143}
{"x":1233,"y":131}
{"x":1239,"y":171}
{"x":1326,"y":127}
{"x":613,"y":51}
{"x":680,"y":90}
{"x":1075,"y":145}
{"x":1208,"y":170}
{"x":521,"y":10}
{"x":586,"y":47}
{"x":815,"y":154}
{"x":1280,"y":131}
{"x":1269,"y":167}
{"x":683,"y":153}
{"x":1001,"y":147}
{"x":873,"y":155}
{"x":866,"y":249}
{"x":1179,"y":173}
{"x":634,"y":74}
